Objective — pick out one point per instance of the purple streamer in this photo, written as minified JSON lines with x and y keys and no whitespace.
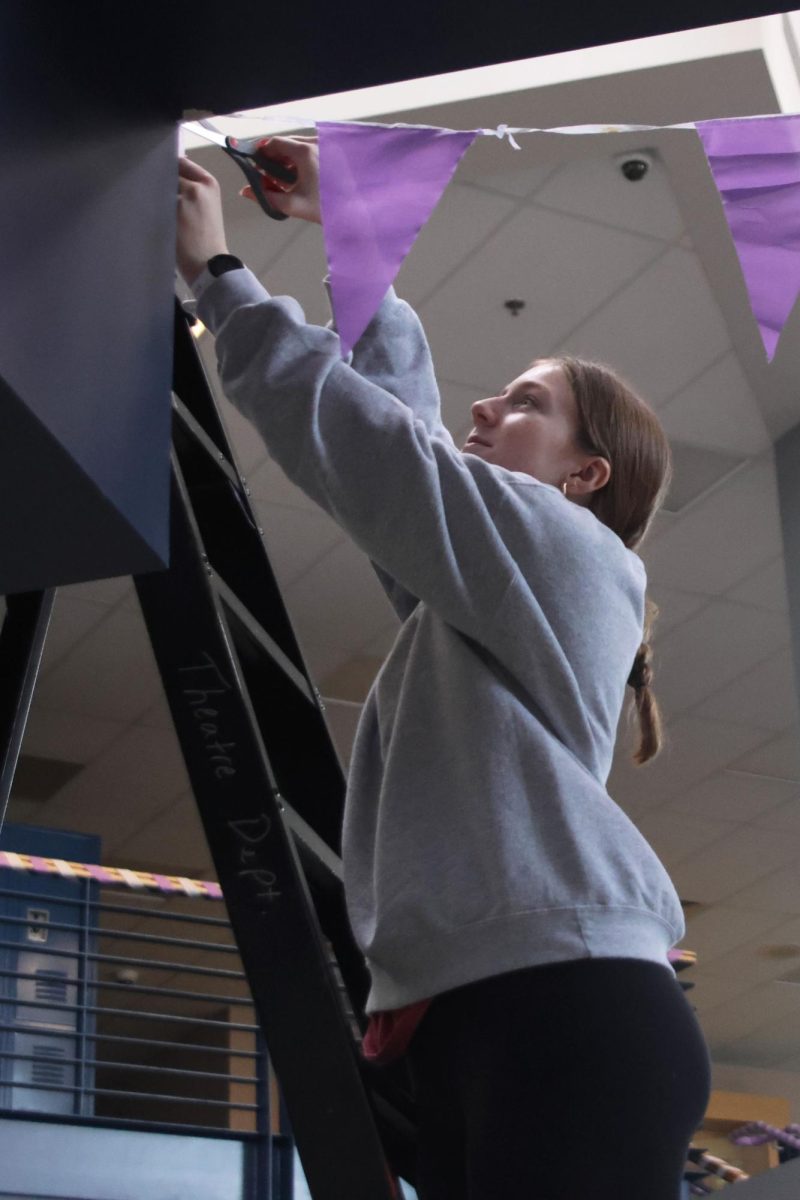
{"x":164,"y":884}
{"x":757,"y":1133}
{"x":756,"y":167}
{"x":379,"y":184}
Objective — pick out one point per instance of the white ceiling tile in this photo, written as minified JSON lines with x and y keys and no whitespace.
{"x":725,"y":796}
{"x":765,"y":696}
{"x":719,"y":930}
{"x":382,"y":642}
{"x":68,"y":735}
{"x":99,"y":591}
{"x":322,"y":655}
{"x":765,"y":588}
{"x":696,"y":470}
{"x":295,"y":538}
{"x":24,"y":812}
{"x":172,"y":837}
{"x":708,"y":650}
{"x":268,"y":482}
{"x":111,"y":673}
{"x":675,"y":836}
{"x":73,"y":619}
{"x":738,"y":859}
{"x":749,"y":958}
{"x":661,"y":523}
{"x":595,"y":188}
{"x":674,"y":606}
{"x":722,"y":539}
{"x":341,"y":717}
{"x":693,"y":749}
{"x":354,"y":608}
{"x":717,"y":410}
{"x":783,"y":816}
{"x":772,"y":1042}
{"x":463,"y":219}
{"x":778,"y":757}
{"x":132,"y":779}
{"x":298,"y":271}
{"x":712,"y":990}
{"x":474,"y":338}
{"x":778,"y":889}
{"x":520,"y":183}
{"x":157,"y":717}
{"x":660,"y":331}
{"x":742,"y":1014}
{"x":248,"y":445}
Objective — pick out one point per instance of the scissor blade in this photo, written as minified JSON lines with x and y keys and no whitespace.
{"x":200,"y":129}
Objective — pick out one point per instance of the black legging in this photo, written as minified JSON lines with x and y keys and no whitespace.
{"x":582,"y":1080}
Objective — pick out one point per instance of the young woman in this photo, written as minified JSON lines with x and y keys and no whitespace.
{"x":515,"y":923}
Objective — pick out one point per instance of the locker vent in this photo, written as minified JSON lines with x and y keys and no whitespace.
{"x":51,"y":986}
{"x":46,"y":1067}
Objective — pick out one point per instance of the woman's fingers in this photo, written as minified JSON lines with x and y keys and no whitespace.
{"x":200,"y":226}
{"x":299,"y":198}
{"x":193,"y":171}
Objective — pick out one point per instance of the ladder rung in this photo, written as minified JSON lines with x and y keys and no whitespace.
{"x":312,"y":842}
{"x":260,"y":635}
{"x":193,"y":427}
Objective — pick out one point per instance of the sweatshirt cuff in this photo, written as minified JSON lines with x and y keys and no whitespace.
{"x":218,"y":296}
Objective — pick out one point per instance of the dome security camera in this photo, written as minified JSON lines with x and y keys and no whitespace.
{"x":635,"y":164}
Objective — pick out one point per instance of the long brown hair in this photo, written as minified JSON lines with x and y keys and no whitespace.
{"x":617,"y":424}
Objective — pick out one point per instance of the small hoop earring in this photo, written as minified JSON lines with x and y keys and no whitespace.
{"x":564,"y":487}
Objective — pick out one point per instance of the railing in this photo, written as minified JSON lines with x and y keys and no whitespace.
{"x":127,"y":1008}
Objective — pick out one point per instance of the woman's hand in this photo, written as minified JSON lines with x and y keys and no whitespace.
{"x":201,"y":231}
{"x":302,"y":198}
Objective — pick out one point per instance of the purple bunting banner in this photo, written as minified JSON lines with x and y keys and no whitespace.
{"x":756,"y":166}
{"x":379,"y":184}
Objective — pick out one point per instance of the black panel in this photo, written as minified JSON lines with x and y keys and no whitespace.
{"x":57,"y":526}
{"x":185,"y":54}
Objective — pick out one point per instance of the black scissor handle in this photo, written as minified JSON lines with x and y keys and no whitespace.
{"x":254,"y":177}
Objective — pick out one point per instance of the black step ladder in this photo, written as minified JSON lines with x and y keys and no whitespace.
{"x":270,"y":790}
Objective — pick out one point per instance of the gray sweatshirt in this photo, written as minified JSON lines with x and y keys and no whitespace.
{"x":479,"y":836}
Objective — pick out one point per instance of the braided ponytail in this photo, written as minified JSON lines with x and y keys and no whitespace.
{"x":616,"y":423}
{"x":641,"y":680}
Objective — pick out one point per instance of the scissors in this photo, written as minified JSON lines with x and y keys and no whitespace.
{"x":251,"y":154}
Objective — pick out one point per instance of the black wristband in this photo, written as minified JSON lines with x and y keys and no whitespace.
{"x":221,"y":263}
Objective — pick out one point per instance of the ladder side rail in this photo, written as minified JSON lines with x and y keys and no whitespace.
{"x":268,"y":900}
{"x":312,"y":783}
{"x":22,"y":640}
{"x":234,"y":545}
{"x":192,"y":384}
{"x":247,"y":570}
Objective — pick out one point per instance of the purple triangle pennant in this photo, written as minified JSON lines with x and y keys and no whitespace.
{"x":756,"y":167}
{"x":379,"y":184}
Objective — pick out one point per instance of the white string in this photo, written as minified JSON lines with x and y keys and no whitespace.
{"x":303,"y":121}
{"x":505,"y":131}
